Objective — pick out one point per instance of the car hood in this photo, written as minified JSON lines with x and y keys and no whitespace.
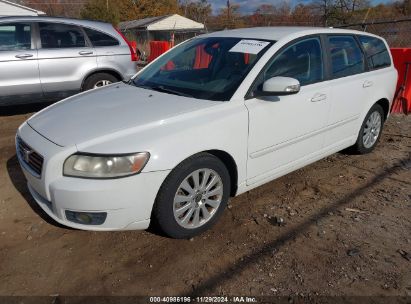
{"x":108,"y":110}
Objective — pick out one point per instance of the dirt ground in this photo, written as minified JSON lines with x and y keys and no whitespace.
{"x":345,"y":220}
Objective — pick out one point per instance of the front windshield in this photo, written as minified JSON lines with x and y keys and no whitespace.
{"x":205,"y":68}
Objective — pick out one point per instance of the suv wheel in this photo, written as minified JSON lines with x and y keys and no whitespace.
{"x":192,"y":197}
{"x":98,"y":80}
{"x":370,"y":131}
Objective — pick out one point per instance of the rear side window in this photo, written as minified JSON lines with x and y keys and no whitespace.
{"x":376,"y":52}
{"x":60,"y":36}
{"x":15,"y":36}
{"x":346,"y":56}
{"x":100,"y":39}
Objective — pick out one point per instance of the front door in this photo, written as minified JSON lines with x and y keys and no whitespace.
{"x":19,"y":71}
{"x":286,"y":130}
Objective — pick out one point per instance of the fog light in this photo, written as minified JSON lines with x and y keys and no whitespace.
{"x":83,"y":218}
{"x":86,"y":218}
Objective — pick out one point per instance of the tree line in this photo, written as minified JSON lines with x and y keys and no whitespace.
{"x":316,"y":12}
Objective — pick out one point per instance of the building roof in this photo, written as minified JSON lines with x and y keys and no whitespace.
{"x":162,"y":23}
{"x":8,"y":8}
{"x":140,"y":23}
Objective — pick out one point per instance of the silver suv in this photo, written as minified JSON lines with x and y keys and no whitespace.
{"x":45,"y":58}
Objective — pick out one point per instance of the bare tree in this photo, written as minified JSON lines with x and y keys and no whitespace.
{"x":199,"y":10}
{"x":325,"y":8}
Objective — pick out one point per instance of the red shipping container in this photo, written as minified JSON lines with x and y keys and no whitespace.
{"x":157,"y":48}
{"x":202,"y":59}
{"x":401,"y":56}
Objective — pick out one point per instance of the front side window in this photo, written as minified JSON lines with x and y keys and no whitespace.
{"x":100,"y":39}
{"x":376,"y":52}
{"x":15,"y":36}
{"x":204,"y":68}
{"x":60,"y":36}
{"x":301,"y":60}
{"x":346,"y":56}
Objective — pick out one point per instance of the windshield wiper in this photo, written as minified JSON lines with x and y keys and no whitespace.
{"x":171,"y":91}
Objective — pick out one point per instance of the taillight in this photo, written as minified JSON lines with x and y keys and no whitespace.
{"x":134,"y":56}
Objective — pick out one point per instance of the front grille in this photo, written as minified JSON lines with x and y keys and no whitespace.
{"x":30,"y":157}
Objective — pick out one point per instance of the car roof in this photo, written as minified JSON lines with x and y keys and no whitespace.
{"x":53,"y":19}
{"x":279,"y":32}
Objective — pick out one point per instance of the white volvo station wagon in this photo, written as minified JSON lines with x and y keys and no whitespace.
{"x":214,"y":117}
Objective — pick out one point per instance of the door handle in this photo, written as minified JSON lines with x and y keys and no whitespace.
{"x":23,"y":56}
{"x":318,"y":97}
{"x":83,"y":53}
{"x":367,"y":84}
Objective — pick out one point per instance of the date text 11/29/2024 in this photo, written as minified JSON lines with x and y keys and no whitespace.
{"x":204,"y":299}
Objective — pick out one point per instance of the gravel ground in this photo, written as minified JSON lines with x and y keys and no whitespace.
{"x":341,"y":226}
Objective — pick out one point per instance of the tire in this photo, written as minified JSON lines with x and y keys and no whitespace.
{"x":94,"y":80}
{"x":172,"y":197}
{"x":362,"y":146}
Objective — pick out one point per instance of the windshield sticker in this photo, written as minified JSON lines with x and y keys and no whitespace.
{"x":249,"y":46}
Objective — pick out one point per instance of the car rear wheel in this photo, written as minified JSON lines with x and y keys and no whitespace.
{"x":192,"y":197}
{"x":370,"y":131}
{"x":99,"y":80}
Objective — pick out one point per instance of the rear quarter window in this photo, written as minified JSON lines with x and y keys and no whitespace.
{"x":376,"y":52}
{"x":98,"y":38}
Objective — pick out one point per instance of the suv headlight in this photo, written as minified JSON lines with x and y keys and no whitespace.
{"x":104,"y":166}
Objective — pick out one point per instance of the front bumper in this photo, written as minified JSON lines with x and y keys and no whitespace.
{"x":127,"y":201}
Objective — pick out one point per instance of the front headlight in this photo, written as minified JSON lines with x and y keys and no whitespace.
{"x":104,"y":166}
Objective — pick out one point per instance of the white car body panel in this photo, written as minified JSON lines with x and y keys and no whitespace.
{"x":269,"y":147}
{"x":265,"y":137}
{"x":112,"y":110}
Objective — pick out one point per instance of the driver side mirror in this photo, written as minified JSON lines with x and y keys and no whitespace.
{"x":279,"y":86}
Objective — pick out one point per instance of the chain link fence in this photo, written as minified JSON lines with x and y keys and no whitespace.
{"x":396,"y":32}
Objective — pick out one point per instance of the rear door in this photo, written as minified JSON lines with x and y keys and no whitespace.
{"x":19,"y":72}
{"x":113,"y":53}
{"x":65,"y":58}
{"x":349,"y":86}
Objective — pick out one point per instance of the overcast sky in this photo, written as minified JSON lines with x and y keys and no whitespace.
{"x":248,"y":6}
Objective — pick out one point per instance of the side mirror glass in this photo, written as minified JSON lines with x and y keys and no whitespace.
{"x":279,"y":86}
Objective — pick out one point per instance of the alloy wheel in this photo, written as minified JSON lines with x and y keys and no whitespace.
{"x":372,"y":130}
{"x":198,"y":198}
{"x":102,"y":83}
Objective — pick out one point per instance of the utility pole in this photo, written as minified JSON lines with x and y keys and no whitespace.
{"x":185,"y":7}
{"x":228,"y":13}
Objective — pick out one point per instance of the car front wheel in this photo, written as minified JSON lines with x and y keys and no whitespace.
{"x":192,"y":197}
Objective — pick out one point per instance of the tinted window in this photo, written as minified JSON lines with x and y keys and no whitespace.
{"x":376,"y":52}
{"x":59,"y":36}
{"x":302,"y":61}
{"x":346,"y":56}
{"x":100,"y":39}
{"x":15,"y":36}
